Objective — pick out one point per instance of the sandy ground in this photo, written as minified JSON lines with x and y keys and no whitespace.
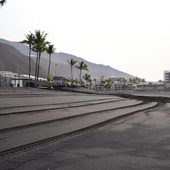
{"x":138,"y":142}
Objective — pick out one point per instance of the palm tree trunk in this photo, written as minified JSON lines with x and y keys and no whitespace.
{"x":71,"y":72}
{"x":49,"y":64}
{"x":29,"y":61}
{"x":36,"y":67}
{"x":29,"y":66}
{"x":80,"y":75}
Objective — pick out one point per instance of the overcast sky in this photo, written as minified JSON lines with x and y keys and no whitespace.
{"x":129,"y":35}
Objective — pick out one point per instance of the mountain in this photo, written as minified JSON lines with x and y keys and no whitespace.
{"x":12,"y":60}
{"x":63,"y":69}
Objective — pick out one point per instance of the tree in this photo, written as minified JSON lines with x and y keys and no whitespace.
{"x":108,"y":84}
{"x":48,"y":81}
{"x":86,"y":77}
{"x":72,"y":62}
{"x":102,"y":81}
{"x":2,"y":2}
{"x":130,"y":80}
{"x":94,"y":80}
{"x":39,"y":46}
{"x":50,"y":50}
{"x":90,"y":81}
{"x":125,"y":81}
{"x":72,"y":81}
{"x":81,"y":66}
{"x":150,"y":84}
{"x":160,"y":81}
{"x":143,"y":80}
{"x":137,"y":80}
{"x":76,"y":81}
{"x":124,"y":86}
{"x":102,"y":78}
{"x":64,"y":80}
{"x":134,"y":81}
{"x":29,"y":41}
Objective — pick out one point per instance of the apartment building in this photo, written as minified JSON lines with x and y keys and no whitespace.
{"x":117,"y":79}
{"x":113,"y":79}
{"x":121,"y":79}
{"x":167,"y":78}
{"x":118,"y":86}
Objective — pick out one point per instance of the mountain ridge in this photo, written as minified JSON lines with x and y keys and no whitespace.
{"x":13,"y":60}
{"x":95,"y":70}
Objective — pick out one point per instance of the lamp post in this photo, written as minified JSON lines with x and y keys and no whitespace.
{"x":55,"y":69}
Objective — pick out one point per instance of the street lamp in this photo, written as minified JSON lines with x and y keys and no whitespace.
{"x":55,"y":69}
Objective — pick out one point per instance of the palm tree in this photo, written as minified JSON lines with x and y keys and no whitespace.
{"x":150,"y":83}
{"x":82,"y":66}
{"x":94,"y":83}
{"x":102,"y":82}
{"x":50,"y":50}
{"x":76,"y":81}
{"x":90,"y":81}
{"x":134,"y":81}
{"x":143,"y":80}
{"x":136,"y":78}
{"x":48,"y":81}
{"x":94,"y":80}
{"x":39,"y":47}
{"x":86,"y":77}
{"x":130,"y":80}
{"x":2,"y":2}
{"x":64,"y":80}
{"x":29,"y":41}
{"x":72,"y":62}
{"x":72,"y":81}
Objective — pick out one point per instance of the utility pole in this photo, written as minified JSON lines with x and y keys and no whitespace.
{"x":55,"y":69}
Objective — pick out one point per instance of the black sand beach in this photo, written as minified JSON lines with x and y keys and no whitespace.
{"x":58,"y":130}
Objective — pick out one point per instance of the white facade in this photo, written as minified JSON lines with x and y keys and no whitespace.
{"x":113,"y":79}
{"x":167,"y":78}
{"x":165,"y":71}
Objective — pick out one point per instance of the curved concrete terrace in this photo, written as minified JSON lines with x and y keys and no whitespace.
{"x":139,"y":141}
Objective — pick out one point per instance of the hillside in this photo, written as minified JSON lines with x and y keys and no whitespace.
{"x":63,"y":69}
{"x":12,"y":60}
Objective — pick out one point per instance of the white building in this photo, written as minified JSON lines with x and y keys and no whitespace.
{"x":113,"y":79}
{"x":167,"y":78}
